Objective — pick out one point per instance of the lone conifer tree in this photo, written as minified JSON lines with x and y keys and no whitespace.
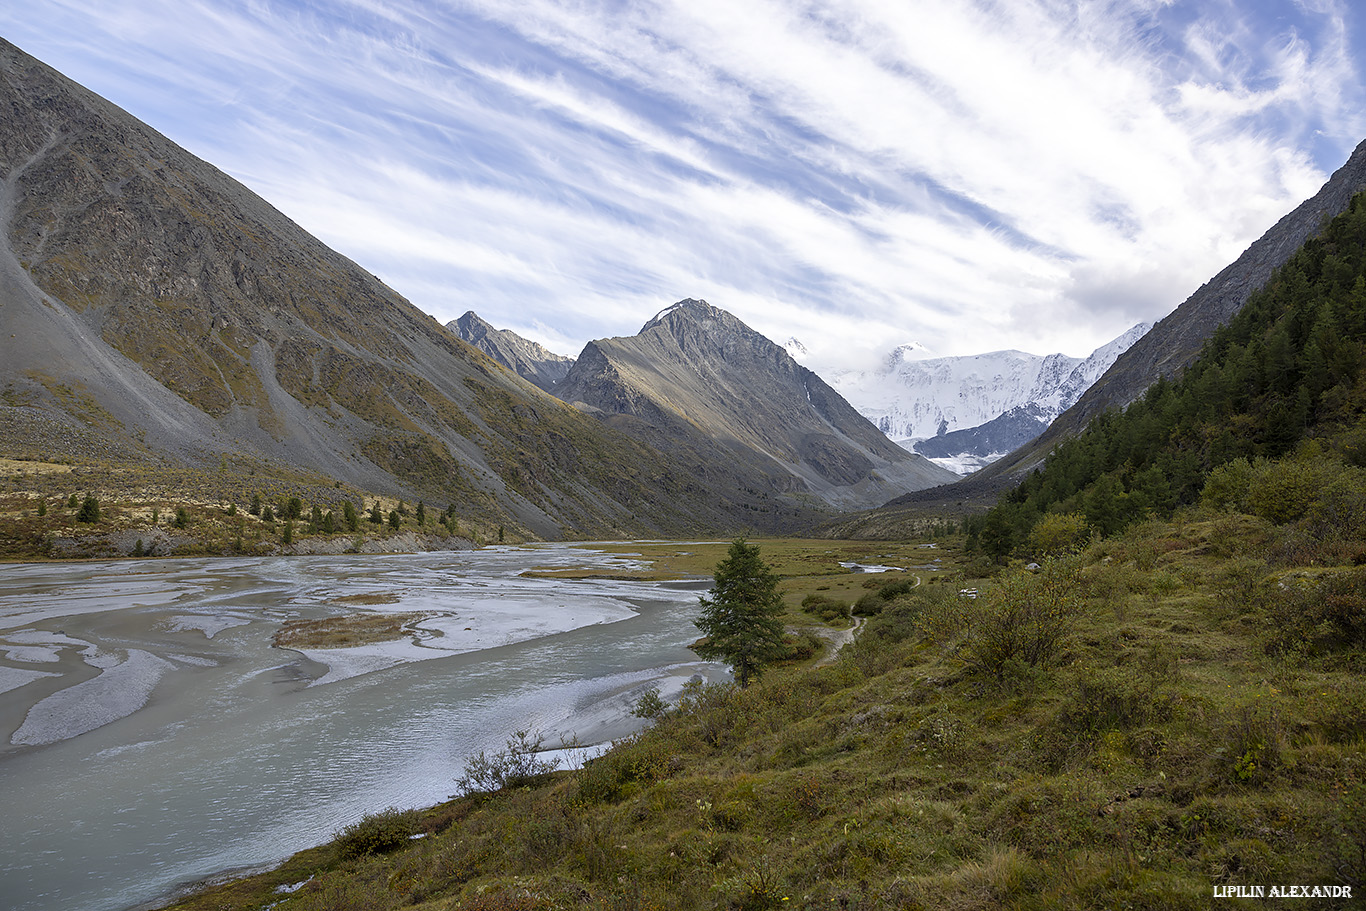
{"x":740,"y":618}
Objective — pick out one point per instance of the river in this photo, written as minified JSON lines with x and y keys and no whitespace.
{"x":151,"y":735}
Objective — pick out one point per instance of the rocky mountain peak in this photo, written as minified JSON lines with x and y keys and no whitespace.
{"x":703,"y":374}
{"x":530,"y":360}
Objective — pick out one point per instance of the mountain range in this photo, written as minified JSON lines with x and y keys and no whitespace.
{"x":157,"y":311}
{"x":530,"y":360}
{"x":966,"y":411}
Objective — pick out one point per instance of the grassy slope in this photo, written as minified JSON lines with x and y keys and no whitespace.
{"x":1162,"y":750}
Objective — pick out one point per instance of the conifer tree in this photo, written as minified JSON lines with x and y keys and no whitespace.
{"x":740,"y":618}
{"x":90,"y":510}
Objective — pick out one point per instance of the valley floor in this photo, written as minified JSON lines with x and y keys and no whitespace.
{"x":1142,"y":725}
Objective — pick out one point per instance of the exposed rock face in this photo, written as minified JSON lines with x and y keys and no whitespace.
{"x":152,"y":305}
{"x":533,"y":362}
{"x":697,"y":373}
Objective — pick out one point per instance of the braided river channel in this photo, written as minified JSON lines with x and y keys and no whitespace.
{"x":151,"y":735}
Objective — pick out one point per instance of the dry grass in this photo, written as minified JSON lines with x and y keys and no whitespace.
{"x":346,"y":631}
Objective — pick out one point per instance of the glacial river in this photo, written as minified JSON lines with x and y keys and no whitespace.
{"x":150,"y":735}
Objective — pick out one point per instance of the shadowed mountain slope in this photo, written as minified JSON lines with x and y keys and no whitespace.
{"x":698,"y":379}
{"x":153,"y":307}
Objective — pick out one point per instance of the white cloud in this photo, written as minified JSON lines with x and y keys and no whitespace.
{"x":1030,"y":174}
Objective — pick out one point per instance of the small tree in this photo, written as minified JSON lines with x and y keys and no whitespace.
{"x":90,"y":510}
{"x":740,"y":618}
{"x":349,"y":516}
{"x":394,"y":519}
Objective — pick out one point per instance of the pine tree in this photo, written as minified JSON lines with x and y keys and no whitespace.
{"x":740,"y":618}
{"x":90,"y":510}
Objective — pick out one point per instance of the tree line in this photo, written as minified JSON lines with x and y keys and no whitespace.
{"x":1285,"y":370}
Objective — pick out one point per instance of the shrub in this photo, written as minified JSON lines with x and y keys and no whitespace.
{"x":1058,"y":534}
{"x":515,"y":766}
{"x":1317,"y":614}
{"x":649,"y":706}
{"x":873,"y":603}
{"x":375,"y":834}
{"x":825,"y":608}
{"x":1022,"y":620}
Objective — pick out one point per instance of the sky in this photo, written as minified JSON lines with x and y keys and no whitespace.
{"x":967,"y":175}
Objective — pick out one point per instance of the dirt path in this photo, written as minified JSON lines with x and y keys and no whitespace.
{"x":839,"y":638}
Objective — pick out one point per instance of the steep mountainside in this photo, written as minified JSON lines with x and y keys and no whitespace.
{"x":533,"y":362}
{"x":153,"y":306}
{"x":1174,"y":342}
{"x":1286,"y":370}
{"x":697,"y":374}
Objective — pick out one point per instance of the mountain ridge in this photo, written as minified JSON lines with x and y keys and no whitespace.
{"x":702,"y":371}
{"x":163,"y":310}
{"x":1174,"y":341}
{"x":530,"y":360}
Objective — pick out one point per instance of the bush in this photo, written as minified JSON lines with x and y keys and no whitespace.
{"x":650,"y":706}
{"x":515,"y":766}
{"x":873,"y":603}
{"x":825,"y":608}
{"x":1022,"y":620}
{"x":1317,"y":614}
{"x":375,"y":834}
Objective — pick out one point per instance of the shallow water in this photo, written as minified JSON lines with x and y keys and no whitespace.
{"x":150,"y":735}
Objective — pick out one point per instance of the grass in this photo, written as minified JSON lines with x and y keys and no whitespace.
{"x":345,"y":631}
{"x":1169,"y":744}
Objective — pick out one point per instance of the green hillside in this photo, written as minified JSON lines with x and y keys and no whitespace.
{"x":1282,"y":380}
{"x":1132,"y":727}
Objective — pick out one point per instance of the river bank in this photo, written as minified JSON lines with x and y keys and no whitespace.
{"x":200,"y":747}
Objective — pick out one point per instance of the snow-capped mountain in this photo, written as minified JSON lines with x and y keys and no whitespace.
{"x":912,"y":398}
